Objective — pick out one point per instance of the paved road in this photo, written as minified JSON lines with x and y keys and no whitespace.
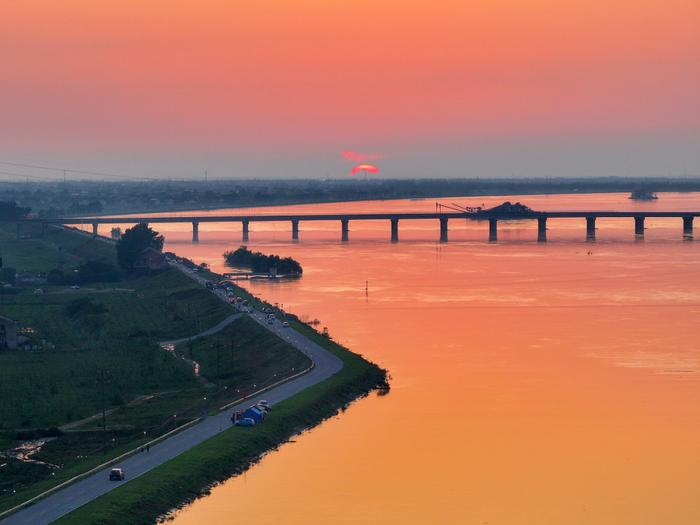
{"x":78,"y":494}
{"x":211,"y":331}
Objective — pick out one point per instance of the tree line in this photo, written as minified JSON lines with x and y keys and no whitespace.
{"x":260,"y":263}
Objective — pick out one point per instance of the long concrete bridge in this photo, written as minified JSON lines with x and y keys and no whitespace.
{"x":393,"y":218}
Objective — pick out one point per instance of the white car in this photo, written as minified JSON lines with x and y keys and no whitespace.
{"x":117,"y":474}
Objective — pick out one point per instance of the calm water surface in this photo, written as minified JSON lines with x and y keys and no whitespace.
{"x":551,"y":383}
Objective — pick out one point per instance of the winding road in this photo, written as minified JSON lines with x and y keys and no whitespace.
{"x":76,"y":495}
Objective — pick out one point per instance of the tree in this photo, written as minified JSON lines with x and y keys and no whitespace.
{"x":134,"y":241}
{"x":97,"y":272}
{"x":10,"y":211}
{"x":261,"y":263}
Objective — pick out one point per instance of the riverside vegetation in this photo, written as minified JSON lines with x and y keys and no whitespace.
{"x":260,"y":263}
{"x":100,"y":352}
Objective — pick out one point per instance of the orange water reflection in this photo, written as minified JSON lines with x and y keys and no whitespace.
{"x":532,"y":383}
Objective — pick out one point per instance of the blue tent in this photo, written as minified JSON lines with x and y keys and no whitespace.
{"x":255,"y":413}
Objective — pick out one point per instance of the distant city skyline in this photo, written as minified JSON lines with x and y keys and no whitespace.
{"x":499,"y":89}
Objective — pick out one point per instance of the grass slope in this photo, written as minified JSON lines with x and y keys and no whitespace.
{"x":59,"y":248}
{"x":234,"y":356}
{"x":49,"y":388}
{"x":190,"y":475}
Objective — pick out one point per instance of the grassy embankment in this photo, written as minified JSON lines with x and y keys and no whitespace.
{"x":106,"y":355}
{"x":190,"y":475}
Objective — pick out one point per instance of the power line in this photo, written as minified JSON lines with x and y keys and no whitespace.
{"x":25,"y":176}
{"x":68,"y":170}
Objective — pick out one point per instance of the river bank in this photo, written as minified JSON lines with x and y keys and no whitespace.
{"x":193,"y":473}
{"x":181,"y":481}
{"x":261,"y":358}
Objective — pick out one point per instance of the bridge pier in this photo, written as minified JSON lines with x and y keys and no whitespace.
{"x":246,"y":230}
{"x":344,"y":229}
{"x":542,"y":229}
{"x":590,"y":228}
{"x":94,"y":229}
{"x":639,"y":225}
{"x":493,"y":230}
{"x":195,"y":231}
{"x":688,"y":226}
{"x":394,"y":230}
{"x":443,"y":229}
{"x":295,"y":229}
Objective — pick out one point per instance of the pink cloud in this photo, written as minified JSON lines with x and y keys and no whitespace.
{"x":356,"y":156}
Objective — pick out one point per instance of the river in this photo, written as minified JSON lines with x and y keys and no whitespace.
{"x":532,"y":383}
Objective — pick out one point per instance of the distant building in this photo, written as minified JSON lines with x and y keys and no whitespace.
{"x":8,"y":334}
{"x":116,"y":233}
{"x":151,"y":259}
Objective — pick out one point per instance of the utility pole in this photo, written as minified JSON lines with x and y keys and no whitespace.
{"x":103,"y":380}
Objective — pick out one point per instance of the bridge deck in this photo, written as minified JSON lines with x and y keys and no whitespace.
{"x":358,"y":216}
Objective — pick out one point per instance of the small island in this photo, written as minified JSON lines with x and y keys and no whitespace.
{"x":260,"y":263}
{"x":643,"y":195}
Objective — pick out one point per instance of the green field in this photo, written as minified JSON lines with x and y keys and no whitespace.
{"x":122,"y":341}
{"x":223,"y":361}
{"x":58,"y":248}
{"x":99,"y":350}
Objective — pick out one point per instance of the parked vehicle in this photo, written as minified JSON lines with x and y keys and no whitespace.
{"x":117,"y":474}
{"x":270,"y":320}
{"x":209,"y":285}
{"x":245,"y":422}
{"x":285,"y":324}
{"x":255,"y":413}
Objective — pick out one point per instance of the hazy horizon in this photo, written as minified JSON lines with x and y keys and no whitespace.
{"x":501,"y":89}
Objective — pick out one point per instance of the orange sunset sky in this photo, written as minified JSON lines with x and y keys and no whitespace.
{"x":281,"y":88}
